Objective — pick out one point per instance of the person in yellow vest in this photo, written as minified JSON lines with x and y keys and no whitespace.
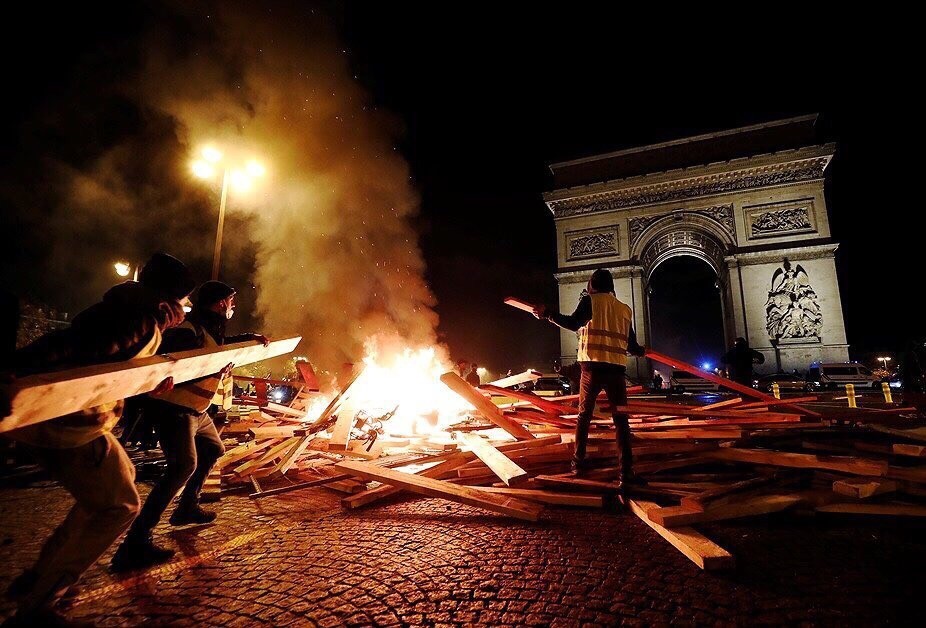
{"x":79,"y":450}
{"x":606,"y":336}
{"x":186,"y":431}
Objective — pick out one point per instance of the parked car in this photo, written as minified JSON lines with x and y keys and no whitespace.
{"x":786,"y":383}
{"x":833,"y":375}
{"x":548,"y":386}
{"x":683,"y":381}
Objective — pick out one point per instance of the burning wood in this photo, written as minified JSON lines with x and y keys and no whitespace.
{"x":745,"y":456}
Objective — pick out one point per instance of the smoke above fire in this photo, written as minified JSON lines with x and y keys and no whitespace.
{"x":325,"y":235}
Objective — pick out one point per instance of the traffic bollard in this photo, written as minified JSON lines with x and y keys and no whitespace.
{"x":850,"y":395}
{"x":886,"y":389}
{"x":776,"y":390}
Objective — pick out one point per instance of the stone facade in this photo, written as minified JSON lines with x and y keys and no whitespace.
{"x":759,"y":221}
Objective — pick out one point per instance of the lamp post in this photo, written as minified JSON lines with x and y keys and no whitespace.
{"x":205,"y":168}
{"x":884,"y":361}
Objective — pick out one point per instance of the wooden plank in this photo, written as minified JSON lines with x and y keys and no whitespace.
{"x":435,"y":488}
{"x":505,"y":468}
{"x":514,"y":380}
{"x":240,"y":453}
{"x":846,"y":464}
{"x":903,"y":449}
{"x":570,"y":481}
{"x":289,"y":459}
{"x":334,"y":403}
{"x":272,"y":453}
{"x":891,"y":510}
{"x":437,"y":471}
{"x":695,"y":546}
{"x":721,"y":404}
{"x":548,"y":497}
{"x":675,"y":516}
{"x":278,"y":431}
{"x":717,"y":434}
{"x":307,"y":373}
{"x":918,"y":433}
{"x":275,"y":407}
{"x":723,"y":381}
{"x":725,"y":494}
{"x":863,"y":488}
{"x":37,"y":398}
{"x":458,"y":385}
{"x":518,"y":303}
{"x":541,"y":403}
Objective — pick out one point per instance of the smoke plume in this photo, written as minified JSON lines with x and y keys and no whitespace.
{"x":324,"y":235}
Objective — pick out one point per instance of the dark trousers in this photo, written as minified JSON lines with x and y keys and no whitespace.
{"x":191,"y":446}
{"x":598,"y":376}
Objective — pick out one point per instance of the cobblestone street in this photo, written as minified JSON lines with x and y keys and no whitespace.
{"x":299,"y":560}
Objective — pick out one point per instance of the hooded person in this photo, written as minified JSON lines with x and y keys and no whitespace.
{"x":79,"y":450}
{"x":186,"y":431}
{"x":740,"y":360}
{"x":606,"y":336}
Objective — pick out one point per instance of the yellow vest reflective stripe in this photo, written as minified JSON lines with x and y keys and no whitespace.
{"x":79,"y":428}
{"x":197,"y":395}
{"x":604,"y":338}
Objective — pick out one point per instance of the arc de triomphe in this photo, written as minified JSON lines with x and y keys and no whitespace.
{"x":748,"y":202}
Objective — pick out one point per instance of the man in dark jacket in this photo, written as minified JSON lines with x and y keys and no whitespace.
{"x":186,"y":431}
{"x":79,"y":450}
{"x":740,"y":360}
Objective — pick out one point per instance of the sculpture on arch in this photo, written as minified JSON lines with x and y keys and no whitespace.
{"x":792,"y":309}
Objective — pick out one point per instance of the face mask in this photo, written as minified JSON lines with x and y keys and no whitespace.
{"x":229,"y":313}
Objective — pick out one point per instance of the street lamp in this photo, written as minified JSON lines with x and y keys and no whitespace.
{"x":239,"y":177}
{"x":884,"y":361}
{"x":124,"y":269}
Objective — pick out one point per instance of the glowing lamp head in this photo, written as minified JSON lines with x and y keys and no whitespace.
{"x":240,"y":180}
{"x":202,"y":169}
{"x":122,"y":269}
{"x":254,"y":169}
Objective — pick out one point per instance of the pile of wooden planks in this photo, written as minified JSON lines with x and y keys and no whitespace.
{"x":745,"y":454}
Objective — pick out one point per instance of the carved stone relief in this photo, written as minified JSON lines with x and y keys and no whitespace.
{"x":792,"y":309}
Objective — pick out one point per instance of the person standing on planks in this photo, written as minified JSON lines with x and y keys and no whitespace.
{"x":605,"y":328}
{"x":79,"y":450}
{"x":186,"y":431}
{"x":740,"y":360}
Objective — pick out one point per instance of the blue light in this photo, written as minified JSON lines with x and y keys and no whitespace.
{"x":706,"y":366}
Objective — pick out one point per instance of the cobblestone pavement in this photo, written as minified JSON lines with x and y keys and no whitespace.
{"x":299,"y":560}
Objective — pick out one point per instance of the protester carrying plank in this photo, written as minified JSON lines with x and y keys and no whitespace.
{"x":186,"y":430}
{"x":79,"y":450}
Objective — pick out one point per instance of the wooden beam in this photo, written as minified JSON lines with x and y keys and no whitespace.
{"x":722,"y":381}
{"x":892,"y":510}
{"x":514,"y":380}
{"x":521,"y":305}
{"x":846,"y":464}
{"x":695,"y":546}
{"x":275,"y":407}
{"x":863,"y":488}
{"x":548,"y":497}
{"x":725,"y":494}
{"x":458,"y":385}
{"x":502,"y":466}
{"x":674,"y":516}
{"x":904,"y":449}
{"x":37,"y":398}
{"x":240,"y":453}
{"x":334,"y":403}
{"x":435,"y":488}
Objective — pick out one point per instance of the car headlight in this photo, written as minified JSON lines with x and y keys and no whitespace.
{"x":895,"y":384}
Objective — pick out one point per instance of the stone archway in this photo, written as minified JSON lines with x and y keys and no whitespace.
{"x":685,"y":234}
{"x":748,"y":202}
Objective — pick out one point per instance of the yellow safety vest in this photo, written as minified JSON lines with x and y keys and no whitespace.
{"x":79,"y":428}
{"x":604,"y":338}
{"x":199,"y":395}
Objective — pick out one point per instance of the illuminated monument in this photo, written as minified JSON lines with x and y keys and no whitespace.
{"x":748,"y":202}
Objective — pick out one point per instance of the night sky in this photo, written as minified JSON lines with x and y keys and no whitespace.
{"x":489,"y":96}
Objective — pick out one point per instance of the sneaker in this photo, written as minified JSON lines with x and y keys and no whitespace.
{"x":191,"y":514}
{"x":22,"y":584}
{"x":142,"y":554}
